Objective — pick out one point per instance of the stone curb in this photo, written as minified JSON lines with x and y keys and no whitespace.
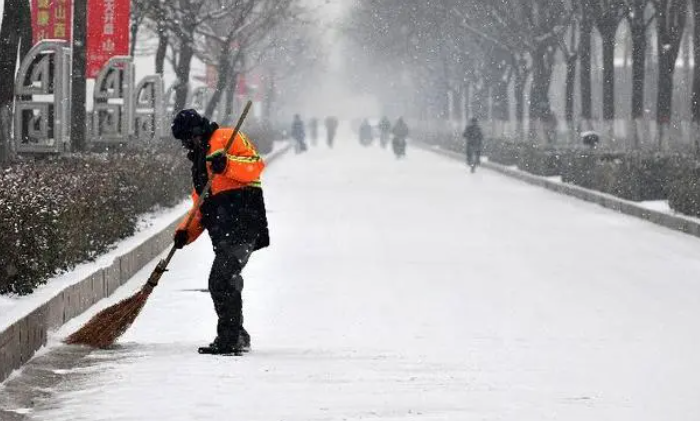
{"x":22,"y":339}
{"x":675,"y":222}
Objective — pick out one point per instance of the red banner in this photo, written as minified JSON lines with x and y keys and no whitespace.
{"x":51,"y":19}
{"x":108,"y":32}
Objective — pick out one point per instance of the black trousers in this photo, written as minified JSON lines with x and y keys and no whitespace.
{"x":226,"y":288}
{"x":473,"y":156}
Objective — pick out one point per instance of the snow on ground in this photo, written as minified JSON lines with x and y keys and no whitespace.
{"x":408,"y":290}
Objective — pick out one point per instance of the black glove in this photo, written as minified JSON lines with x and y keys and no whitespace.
{"x":218,"y":163}
{"x":180,"y":239}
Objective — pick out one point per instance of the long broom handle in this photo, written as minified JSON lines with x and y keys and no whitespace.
{"x":205,"y":191}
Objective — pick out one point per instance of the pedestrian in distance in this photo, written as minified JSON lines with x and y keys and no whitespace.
{"x":299,"y":134}
{"x":384,"y":132}
{"x":400,"y":132}
{"x":366,"y":136}
{"x":313,"y":131}
{"x":474,"y":143}
{"x":331,"y":128}
{"x":233,"y":213}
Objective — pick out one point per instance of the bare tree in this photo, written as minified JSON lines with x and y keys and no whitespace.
{"x":183,"y":20}
{"x":233,"y":36}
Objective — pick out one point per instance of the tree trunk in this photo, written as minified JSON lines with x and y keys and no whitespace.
{"x":78,"y":89}
{"x":670,"y":20}
{"x":585,"y":57}
{"x":501,"y":103}
{"x":696,"y":70}
{"x":541,"y":117}
{"x":479,"y":101}
{"x":457,"y":105}
{"x":183,"y":76}
{"x":519,"y":93}
{"x":162,"y":42}
{"x":540,"y":107}
{"x":467,"y":100}
{"x":224,"y":70}
{"x":269,"y":98}
{"x":570,"y":88}
{"x":230,"y":97}
{"x":15,"y":36}
{"x":665,"y":94}
{"x":639,"y":48}
{"x":608,"y":74}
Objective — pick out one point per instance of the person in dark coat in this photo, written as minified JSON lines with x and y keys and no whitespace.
{"x":299,"y":134}
{"x":331,"y":128}
{"x":233,"y":213}
{"x":366,"y":136}
{"x":400,"y":132}
{"x":384,"y":131}
{"x":475,"y":139}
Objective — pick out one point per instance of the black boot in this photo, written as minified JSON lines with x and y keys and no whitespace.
{"x":219,"y":348}
{"x":243,"y":344}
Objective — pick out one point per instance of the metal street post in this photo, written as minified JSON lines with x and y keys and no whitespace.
{"x":78,"y":92}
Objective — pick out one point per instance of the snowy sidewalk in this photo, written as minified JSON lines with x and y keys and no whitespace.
{"x":406,"y":290}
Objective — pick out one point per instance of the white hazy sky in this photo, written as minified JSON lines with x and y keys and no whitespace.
{"x":331,"y":95}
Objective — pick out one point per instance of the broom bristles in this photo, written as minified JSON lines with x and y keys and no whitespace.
{"x":104,"y":328}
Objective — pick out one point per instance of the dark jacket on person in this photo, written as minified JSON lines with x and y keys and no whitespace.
{"x":474,"y":136}
{"x":400,"y":129}
{"x":234,"y":212}
{"x":298,"y":132}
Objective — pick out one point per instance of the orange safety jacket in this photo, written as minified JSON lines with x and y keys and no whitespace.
{"x":243,"y":169}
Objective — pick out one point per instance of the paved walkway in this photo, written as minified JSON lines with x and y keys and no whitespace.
{"x":406,"y":290}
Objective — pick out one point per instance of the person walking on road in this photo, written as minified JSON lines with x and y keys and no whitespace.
{"x":299,"y":134}
{"x":474,"y":138}
{"x":233,"y":214}
{"x":331,"y":128}
{"x":384,"y":132}
{"x":366,"y":133}
{"x":400,"y":132}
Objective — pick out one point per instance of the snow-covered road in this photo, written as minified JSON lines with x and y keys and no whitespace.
{"x":407,"y":290}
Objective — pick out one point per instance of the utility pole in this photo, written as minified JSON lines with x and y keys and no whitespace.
{"x":78,"y":91}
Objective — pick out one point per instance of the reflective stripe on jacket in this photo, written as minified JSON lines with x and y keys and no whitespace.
{"x":243,"y":169}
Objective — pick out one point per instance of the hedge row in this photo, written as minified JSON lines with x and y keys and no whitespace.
{"x":633,"y":176}
{"x":58,"y":212}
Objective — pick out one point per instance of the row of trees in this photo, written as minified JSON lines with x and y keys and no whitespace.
{"x":492,"y":51}
{"x":234,"y":37}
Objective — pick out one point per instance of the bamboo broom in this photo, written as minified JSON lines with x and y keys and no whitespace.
{"x":109,"y":324}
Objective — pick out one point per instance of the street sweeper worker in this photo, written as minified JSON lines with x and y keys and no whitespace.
{"x":233,"y":214}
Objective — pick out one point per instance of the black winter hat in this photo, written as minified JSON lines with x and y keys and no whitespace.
{"x":187,"y":124}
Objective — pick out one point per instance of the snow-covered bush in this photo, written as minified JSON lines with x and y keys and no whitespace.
{"x":57,"y":212}
{"x":503,"y":152}
{"x":684,"y":191}
{"x":640,"y":176}
{"x":540,"y":160}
